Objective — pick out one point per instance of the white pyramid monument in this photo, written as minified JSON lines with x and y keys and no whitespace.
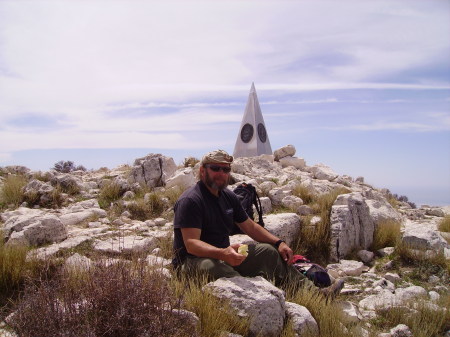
{"x":252,"y":139}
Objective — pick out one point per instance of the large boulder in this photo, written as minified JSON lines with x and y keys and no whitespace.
{"x":352,"y":226}
{"x":323,"y":172}
{"x":285,"y":151}
{"x":153,"y":170}
{"x":286,"y":226}
{"x":183,"y":178}
{"x":255,"y":298}
{"x":302,"y":320}
{"x":420,"y":237}
{"x":298,"y":163}
{"x":381,"y":210}
{"x":36,"y":231}
{"x":39,"y":192}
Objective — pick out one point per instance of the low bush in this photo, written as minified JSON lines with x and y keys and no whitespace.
{"x":120,"y":299}
{"x":386,"y":234}
{"x":67,"y":166}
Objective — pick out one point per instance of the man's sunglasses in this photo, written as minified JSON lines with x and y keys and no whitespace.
{"x":217,"y":168}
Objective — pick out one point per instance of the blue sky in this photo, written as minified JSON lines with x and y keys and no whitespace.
{"x":361,"y":86}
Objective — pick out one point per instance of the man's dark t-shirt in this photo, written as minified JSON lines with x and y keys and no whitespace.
{"x":199,"y":208}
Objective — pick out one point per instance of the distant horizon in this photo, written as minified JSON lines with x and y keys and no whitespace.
{"x":420,"y":195}
{"x":361,"y":86}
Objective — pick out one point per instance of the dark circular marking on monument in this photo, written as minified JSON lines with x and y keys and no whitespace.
{"x":262,"y":132}
{"x":247,"y":133}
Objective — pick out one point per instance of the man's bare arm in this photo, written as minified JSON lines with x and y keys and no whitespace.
{"x":197,"y":247}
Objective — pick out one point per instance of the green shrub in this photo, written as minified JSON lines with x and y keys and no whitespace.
{"x":444,"y":224}
{"x":386,"y":234}
{"x":12,"y":190}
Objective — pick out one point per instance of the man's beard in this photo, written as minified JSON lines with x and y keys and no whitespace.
{"x":213,"y":184}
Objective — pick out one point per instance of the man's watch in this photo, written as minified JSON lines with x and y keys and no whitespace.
{"x":278,"y":243}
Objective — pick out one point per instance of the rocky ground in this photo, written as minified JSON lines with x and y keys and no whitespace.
{"x":80,"y":229}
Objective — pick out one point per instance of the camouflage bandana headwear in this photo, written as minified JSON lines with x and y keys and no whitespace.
{"x":217,"y":157}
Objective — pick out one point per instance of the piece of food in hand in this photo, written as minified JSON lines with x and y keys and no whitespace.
{"x":243,"y":250}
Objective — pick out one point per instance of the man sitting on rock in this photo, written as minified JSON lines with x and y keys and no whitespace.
{"x":204,"y":217}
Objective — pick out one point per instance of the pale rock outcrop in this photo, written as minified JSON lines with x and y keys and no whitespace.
{"x":285,"y":151}
{"x":183,"y":178}
{"x":68,"y":182}
{"x":130,"y":243}
{"x":435,"y":211}
{"x":153,"y":170}
{"x":71,"y":242}
{"x":292,"y":202}
{"x":323,"y":172}
{"x":298,"y":163}
{"x":37,"y":231}
{"x":286,"y":226}
{"x":351,"y":225}
{"x":277,"y":195}
{"x":266,"y":205}
{"x":302,"y":320}
{"x":81,"y":212}
{"x":348,"y":268}
{"x":381,"y":210}
{"x":350,"y":312}
{"x":77,"y":261}
{"x":417,"y":236}
{"x":39,"y":192}
{"x":386,"y":299}
{"x":266,"y":186}
{"x":365,"y":256}
{"x":255,"y":298}
{"x":401,"y":330}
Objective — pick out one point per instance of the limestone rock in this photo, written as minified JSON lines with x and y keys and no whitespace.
{"x":381,"y":210}
{"x":365,"y":256}
{"x":286,"y":226}
{"x":298,"y":163}
{"x":285,"y":151}
{"x":38,"y":231}
{"x":323,"y":172}
{"x":348,"y":267}
{"x":153,"y":170}
{"x":350,"y":312}
{"x":255,"y":298}
{"x":401,"y":330}
{"x":351,"y":225}
{"x":302,"y":320}
{"x":183,"y":178}
{"x":417,"y":236}
{"x":292,"y":202}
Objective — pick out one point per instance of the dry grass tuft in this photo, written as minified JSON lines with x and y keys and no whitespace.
{"x":109,"y":193}
{"x":423,"y":318}
{"x":11,"y":192}
{"x":326,"y":313}
{"x":444,"y":224}
{"x":387,"y":234}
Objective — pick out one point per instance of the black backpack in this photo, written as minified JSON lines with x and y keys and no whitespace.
{"x":248,"y":197}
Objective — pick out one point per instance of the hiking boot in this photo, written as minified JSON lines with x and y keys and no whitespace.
{"x":333,"y":290}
